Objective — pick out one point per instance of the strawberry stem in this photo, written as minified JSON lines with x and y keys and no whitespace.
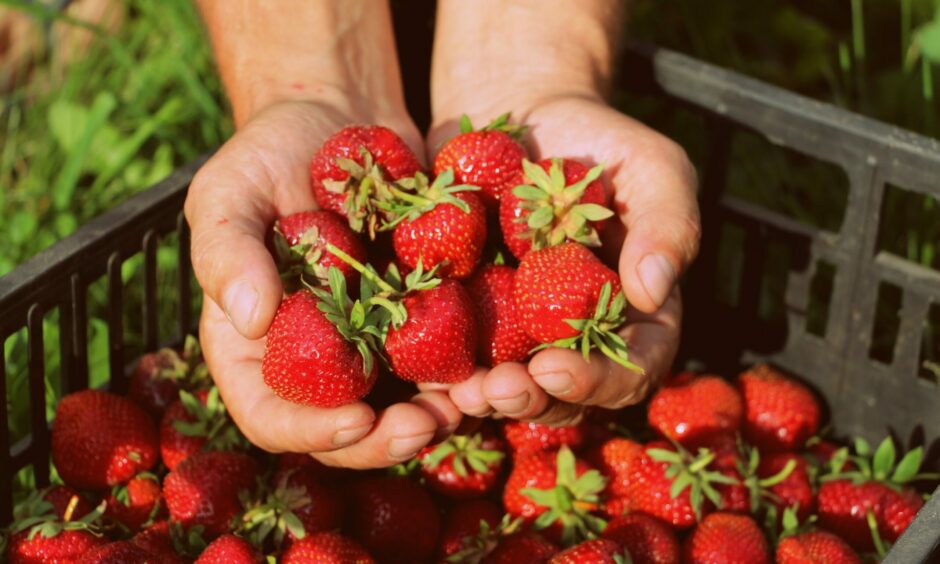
{"x":368,"y":273}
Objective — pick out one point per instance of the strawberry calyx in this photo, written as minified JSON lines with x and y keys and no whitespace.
{"x":789,"y":525}
{"x":273,"y":511}
{"x":571,"y":501}
{"x":477,"y":547}
{"x":365,"y":188}
{"x":37,"y":515}
{"x":209,"y":421}
{"x":692,"y":472}
{"x":552,"y":210}
{"x":413,"y":197}
{"x":187,"y":542}
{"x":759,"y":488}
{"x":466,"y":451}
{"x":500,"y":123}
{"x":302,"y":259}
{"x":600,"y":331}
{"x":878,"y":465}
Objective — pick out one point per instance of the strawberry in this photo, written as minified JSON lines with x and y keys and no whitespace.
{"x":779,"y":412}
{"x":229,"y":549}
{"x":898,"y":510}
{"x":690,"y":409}
{"x":300,"y":247}
{"x":527,"y":546}
{"x":38,"y":534}
{"x":463,"y":467}
{"x":567,"y":298}
{"x":157,"y":540}
{"x":726,"y":537}
{"x":194,"y":422}
{"x":440,"y":225}
{"x":320,"y":346}
{"x":156,"y":380}
{"x":464,"y":524}
{"x":844,"y":506}
{"x":204,"y":489}
{"x":502,"y":338}
{"x":394,"y":518}
{"x":67,"y":504}
{"x":557,"y":200}
{"x":100,"y":440}
{"x":793,"y":489}
{"x":120,"y":552}
{"x":815,"y":547}
{"x":647,"y":539}
{"x":526,"y":437}
{"x":350,"y":172}
{"x":596,"y":551}
{"x":617,"y":459}
{"x":490,"y":158}
{"x":136,"y":503}
{"x":326,"y":547}
{"x":556,"y":493}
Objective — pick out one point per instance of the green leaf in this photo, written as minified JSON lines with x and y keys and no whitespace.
{"x":883,"y":461}
{"x":593,"y":212}
{"x":465,"y":124}
{"x":663,"y":455}
{"x":528,"y":192}
{"x":927,"y":37}
{"x":908,"y":466}
{"x":540,"y":217}
{"x":66,"y":181}
{"x":862,"y":448}
{"x":679,"y":484}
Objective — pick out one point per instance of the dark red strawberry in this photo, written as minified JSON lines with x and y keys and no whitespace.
{"x":204,"y":489}
{"x":229,"y":549}
{"x":67,"y":503}
{"x":464,"y":523}
{"x":463,"y":467}
{"x":120,"y":552}
{"x":779,"y":412}
{"x":726,"y":537}
{"x":100,"y":440}
{"x":195,"y":422}
{"x":527,"y":546}
{"x":567,"y":298}
{"x":394,"y":518}
{"x":157,"y":540}
{"x":647,"y":539}
{"x":324,"y":548}
{"x":596,"y":551}
{"x":557,"y":200}
{"x":157,"y":379}
{"x":502,"y":338}
{"x":490,"y":158}
{"x":300,"y":245}
{"x":691,"y":409}
{"x":350,"y":171}
{"x":815,"y":547}
{"x":525,"y":437}
{"x":136,"y":503}
{"x":440,"y":225}
{"x":844,"y":506}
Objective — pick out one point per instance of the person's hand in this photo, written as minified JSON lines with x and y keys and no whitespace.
{"x":260,"y":174}
{"x":651,"y":240}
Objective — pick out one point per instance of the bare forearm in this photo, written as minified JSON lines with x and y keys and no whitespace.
{"x":341,"y":51}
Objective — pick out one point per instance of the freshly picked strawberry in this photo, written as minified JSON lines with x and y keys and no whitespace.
{"x":158,"y":376}
{"x":567,"y":298}
{"x":321,"y":345}
{"x":100,"y":440}
{"x":326,"y":547}
{"x":204,"y":489}
{"x":502,"y":338}
{"x":526,"y":546}
{"x":38,"y":534}
{"x":490,"y":157}
{"x":119,"y":552}
{"x":557,"y":200}
{"x":595,"y":551}
{"x":350,"y":173}
{"x":463,"y":467}
{"x":690,"y":409}
{"x":137,"y":503}
{"x":526,"y":437}
{"x":815,"y":547}
{"x":726,"y":537}
{"x":394,"y":518}
{"x":779,"y":412}
{"x":616,"y":459}
{"x":468,"y":528}
{"x":557,"y":494}
{"x":647,"y":539}
{"x":67,"y":503}
{"x":229,"y":549}
{"x":300,"y":247}
{"x":194,"y":422}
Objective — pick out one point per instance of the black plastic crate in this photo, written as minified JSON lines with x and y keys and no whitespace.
{"x":866,"y":396}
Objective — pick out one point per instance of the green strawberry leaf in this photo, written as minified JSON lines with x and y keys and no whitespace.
{"x":907,"y":468}
{"x":883,"y":461}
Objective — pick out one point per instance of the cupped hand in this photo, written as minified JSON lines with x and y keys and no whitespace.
{"x":260,"y":174}
{"x":652,"y":239}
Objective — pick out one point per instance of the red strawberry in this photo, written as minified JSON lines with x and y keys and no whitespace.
{"x":596,"y":551}
{"x":558,"y":200}
{"x":463,"y":467}
{"x":394,"y":518}
{"x":844,"y":506}
{"x":815,"y":547}
{"x":647,"y":539}
{"x":557,"y":493}
{"x":39,"y":534}
{"x":566,"y":297}
{"x":204,"y":489}
{"x":527,"y":546}
{"x":324,"y":548}
{"x":320,"y":358}
{"x":67,"y":504}
{"x":726,"y":537}
{"x":794,"y":490}
{"x":158,"y":542}
{"x":120,"y":552}
{"x":616,"y":459}
{"x":195,"y":422}
{"x":349,"y":171}
{"x":690,"y":409}
{"x":525,"y":437}
{"x":490,"y":158}
{"x":137,"y":502}
{"x":229,"y":549}
{"x":65,"y":546}
{"x":502,"y":338}
{"x":898,"y":510}
{"x":300,"y":244}
{"x":439,"y":225}
{"x":462,"y":526}
{"x":156,"y":380}
{"x":100,"y":440}
{"x":779,"y":412}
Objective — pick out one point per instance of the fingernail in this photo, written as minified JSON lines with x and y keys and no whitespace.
{"x":240,"y":302}
{"x":554,"y":382}
{"x":349,"y":436}
{"x":407,"y":447}
{"x":512,"y":406}
{"x":658,"y":277}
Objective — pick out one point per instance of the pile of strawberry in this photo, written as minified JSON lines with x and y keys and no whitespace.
{"x":432,"y":294}
{"x":722,"y":472}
